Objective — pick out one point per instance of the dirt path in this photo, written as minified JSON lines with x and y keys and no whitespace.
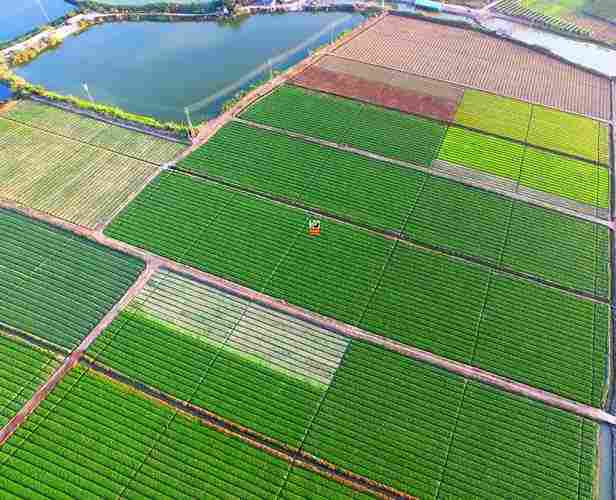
{"x":154,"y":262}
{"x":72,"y":359}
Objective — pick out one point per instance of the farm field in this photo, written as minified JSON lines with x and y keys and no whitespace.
{"x":103,"y":135}
{"x":377,"y":130}
{"x":428,"y":210}
{"x":381,"y":86}
{"x":468,"y":58}
{"x":542,"y":16}
{"x":58,"y":286}
{"x":536,"y":125}
{"x":244,"y":362}
{"x":365,"y":280}
{"x":383,"y":418}
{"x":65,"y":178}
{"x":24,"y":368}
{"x":135,"y":449}
{"x":543,"y":171}
{"x":381,"y":195}
{"x":604,"y":9}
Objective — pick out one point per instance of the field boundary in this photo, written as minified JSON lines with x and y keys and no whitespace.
{"x":73,"y":358}
{"x":95,"y":116}
{"x":439,"y":173}
{"x":78,"y":141}
{"x":254,"y":439}
{"x":452,"y":123}
{"x":599,"y":119}
{"x":314,"y":318}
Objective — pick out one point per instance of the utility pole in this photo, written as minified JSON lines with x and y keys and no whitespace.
{"x":44,"y":12}
{"x":85,"y":86}
{"x":188,"y":118}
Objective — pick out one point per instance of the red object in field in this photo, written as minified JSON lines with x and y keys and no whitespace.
{"x":314,"y":227}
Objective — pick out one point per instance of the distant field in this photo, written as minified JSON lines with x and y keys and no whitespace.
{"x":94,"y":132}
{"x":382,"y":131}
{"x":24,"y":368}
{"x":416,"y":297}
{"x":249,"y":364}
{"x":58,"y":286}
{"x":92,"y":438}
{"x":139,"y":3}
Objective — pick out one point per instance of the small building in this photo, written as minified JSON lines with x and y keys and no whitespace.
{"x":429,"y":5}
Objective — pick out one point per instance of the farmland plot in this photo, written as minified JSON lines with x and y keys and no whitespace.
{"x":365,"y":191}
{"x":24,"y":368}
{"x":378,"y":130}
{"x":68,"y":179}
{"x":135,"y":449}
{"x":571,"y":134}
{"x":565,"y":177}
{"x":430,"y":433}
{"x":494,"y":114}
{"x":257,"y":243}
{"x":58,"y":286}
{"x":260,"y":368}
{"x":94,"y":132}
{"x":559,"y":249}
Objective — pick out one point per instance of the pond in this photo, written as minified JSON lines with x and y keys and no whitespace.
{"x":21,"y":16}
{"x":158,"y":69}
{"x":585,"y":54}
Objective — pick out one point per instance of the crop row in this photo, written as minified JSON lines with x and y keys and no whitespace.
{"x":23,"y":369}
{"x":517,"y":9}
{"x":372,"y":128}
{"x":92,"y":439}
{"x":94,"y":132}
{"x":416,"y":297}
{"x":382,"y":417}
{"x":68,"y":179}
{"x":495,"y":114}
{"x":429,"y":210}
{"x":540,"y":170}
{"x":535,"y":125}
{"x":57,"y":286}
{"x":251,"y":365}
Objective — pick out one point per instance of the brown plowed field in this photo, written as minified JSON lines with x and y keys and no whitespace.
{"x":471,"y":59}
{"x":415,"y":97}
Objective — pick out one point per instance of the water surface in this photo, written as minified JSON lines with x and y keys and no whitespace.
{"x":158,"y":69}
{"x":18,"y":17}
{"x":585,"y":54}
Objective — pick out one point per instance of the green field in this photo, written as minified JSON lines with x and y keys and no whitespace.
{"x":382,"y":131}
{"x":433,"y":434}
{"x":244,"y":362}
{"x":24,"y":368}
{"x":94,"y":132}
{"x":544,"y":13}
{"x":565,"y":177}
{"x":58,"y":286}
{"x":417,"y":297}
{"x":350,"y":186}
{"x":558,"y":248}
{"x":558,"y":131}
{"x":91,"y":439}
{"x":494,"y":114}
{"x":72,"y":180}
{"x":482,"y":152}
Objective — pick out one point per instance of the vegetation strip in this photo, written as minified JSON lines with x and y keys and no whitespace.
{"x":328,"y":323}
{"x":463,"y":174}
{"x":314,"y":184}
